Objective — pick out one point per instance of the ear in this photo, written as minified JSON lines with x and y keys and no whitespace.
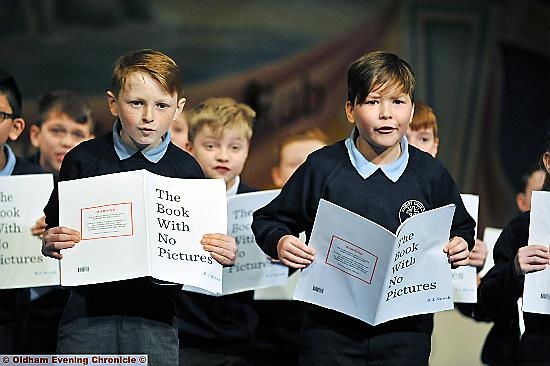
{"x":17,"y":127}
{"x":546,"y":160}
{"x":111,"y":100}
{"x":189,"y":147}
{"x":276,"y":177}
{"x":349,"y":112}
{"x":34,"y":133}
{"x":179,"y":108}
{"x":436,"y":146}
{"x":520,"y":202}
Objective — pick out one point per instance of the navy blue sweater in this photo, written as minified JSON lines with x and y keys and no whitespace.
{"x":328,"y":173}
{"x":135,"y":297}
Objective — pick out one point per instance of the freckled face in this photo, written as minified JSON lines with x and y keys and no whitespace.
{"x":145,"y":110}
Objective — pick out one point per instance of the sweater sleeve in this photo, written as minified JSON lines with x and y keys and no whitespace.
{"x":500,"y":289}
{"x":291,"y":212}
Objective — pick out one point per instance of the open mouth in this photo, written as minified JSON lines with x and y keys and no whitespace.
{"x":221,"y":169}
{"x":385,"y":130}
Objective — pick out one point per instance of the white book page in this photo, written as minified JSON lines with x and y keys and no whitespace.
{"x":490,"y":237}
{"x":109,"y":212}
{"x":351,"y":260}
{"x":419,"y":278}
{"x":253,"y":268}
{"x":22,"y":199}
{"x":285,"y":292}
{"x":465,"y":277}
{"x":536,"y":292}
{"x":180,"y":212}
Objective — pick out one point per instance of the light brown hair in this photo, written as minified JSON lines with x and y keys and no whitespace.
{"x":158,"y":65}
{"x":424,"y":118}
{"x":308,"y":134}
{"x":218,"y":114}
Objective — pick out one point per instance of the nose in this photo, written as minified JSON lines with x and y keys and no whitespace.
{"x":385,"y":111}
{"x":148,"y":114}
{"x":68,"y":140}
{"x":222,"y":154}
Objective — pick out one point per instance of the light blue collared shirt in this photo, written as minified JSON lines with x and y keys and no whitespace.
{"x":365,"y":168}
{"x":10,"y":162}
{"x":124,"y":151}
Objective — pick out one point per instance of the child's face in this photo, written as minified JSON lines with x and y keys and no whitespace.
{"x":424,"y":140}
{"x":292,"y":156}
{"x":145,"y":110}
{"x":178,"y":130}
{"x":220,"y":155}
{"x":58,"y":134}
{"x":10,"y":128}
{"x":382,"y":119}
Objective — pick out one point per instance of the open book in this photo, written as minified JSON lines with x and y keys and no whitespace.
{"x":22,"y":198}
{"x":536,"y":291}
{"x":137,"y":224}
{"x":365,"y":271}
{"x":253,"y":269}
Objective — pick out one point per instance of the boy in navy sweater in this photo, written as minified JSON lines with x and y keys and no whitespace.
{"x":14,"y":303}
{"x":218,"y":330}
{"x":376,"y":174}
{"x":134,"y":316}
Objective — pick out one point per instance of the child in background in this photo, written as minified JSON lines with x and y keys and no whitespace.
{"x":293,"y":150}
{"x":422,"y":132}
{"x":280,"y":321}
{"x":135,"y":316}
{"x":64,"y":121}
{"x":14,"y":303}
{"x":179,"y":131}
{"x":219,"y":330}
{"x":502,"y":286}
{"x":373,"y":173}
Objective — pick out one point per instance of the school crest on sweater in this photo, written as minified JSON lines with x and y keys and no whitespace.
{"x":409,"y":209}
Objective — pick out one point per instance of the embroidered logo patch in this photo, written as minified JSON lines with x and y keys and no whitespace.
{"x":409,"y":209}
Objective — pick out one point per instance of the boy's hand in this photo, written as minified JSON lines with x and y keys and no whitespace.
{"x":478,"y":255}
{"x":221,"y":247}
{"x":457,"y":252}
{"x":39,"y":227}
{"x":294,"y":253}
{"x":531,"y":258}
{"x":58,"y":238}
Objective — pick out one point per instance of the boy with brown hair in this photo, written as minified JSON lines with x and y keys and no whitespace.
{"x":14,"y":303}
{"x":64,"y":121}
{"x":422,"y":132}
{"x":135,"y":316}
{"x":376,"y":174}
{"x":293,"y":150}
{"x":219,"y":330}
{"x":179,"y":131}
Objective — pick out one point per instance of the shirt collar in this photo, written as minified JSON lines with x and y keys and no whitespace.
{"x":365,"y":168}
{"x":234,"y":188}
{"x":10,"y":162}
{"x":124,"y":151}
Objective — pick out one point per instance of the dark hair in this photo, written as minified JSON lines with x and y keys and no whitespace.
{"x":8,"y":88}
{"x":66,"y":102}
{"x":378,"y":69}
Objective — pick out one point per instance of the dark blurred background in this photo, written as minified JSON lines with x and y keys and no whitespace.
{"x":482,"y":65}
